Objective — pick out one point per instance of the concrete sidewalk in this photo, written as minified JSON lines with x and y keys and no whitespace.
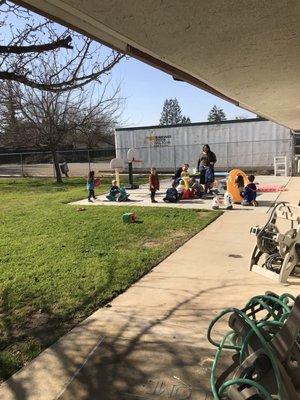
{"x":151,"y":343}
{"x":141,"y":198}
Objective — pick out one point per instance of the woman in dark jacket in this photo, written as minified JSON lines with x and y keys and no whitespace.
{"x":206,"y":164}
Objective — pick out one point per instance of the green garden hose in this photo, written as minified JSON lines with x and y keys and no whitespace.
{"x":275,"y":310}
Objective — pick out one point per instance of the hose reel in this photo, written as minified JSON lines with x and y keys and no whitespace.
{"x":264,"y":341}
{"x":277,"y":254}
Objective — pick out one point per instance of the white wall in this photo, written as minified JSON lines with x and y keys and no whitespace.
{"x":250,"y":144}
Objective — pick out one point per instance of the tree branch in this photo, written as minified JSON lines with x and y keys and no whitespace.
{"x":60,"y":43}
{"x":73,"y":83}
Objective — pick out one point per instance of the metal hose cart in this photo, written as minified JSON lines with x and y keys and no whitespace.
{"x":264,"y":340}
{"x":276,"y":253}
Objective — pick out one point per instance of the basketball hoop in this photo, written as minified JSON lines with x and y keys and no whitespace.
{"x":118,"y":165}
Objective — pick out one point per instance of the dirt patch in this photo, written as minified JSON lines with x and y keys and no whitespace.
{"x":202,"y":214}
{"x":151,"y":244}
{"x":37,"y":319}
{"x":178,"y":234}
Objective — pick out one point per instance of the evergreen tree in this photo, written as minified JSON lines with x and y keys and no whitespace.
{"x":171,"y":113}
{"x":185,"y":120}
{"x":216,"y":115}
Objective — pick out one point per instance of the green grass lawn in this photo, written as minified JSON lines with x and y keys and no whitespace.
{"x":58,"y":265}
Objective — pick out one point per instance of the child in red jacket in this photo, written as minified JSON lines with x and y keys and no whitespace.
{"x":153,"y":184}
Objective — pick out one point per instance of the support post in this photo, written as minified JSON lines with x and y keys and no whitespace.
{"x":117,"y":177}
{"x":130,"y":175}
{"x":22,"y":166}
{"x":89,"y":160}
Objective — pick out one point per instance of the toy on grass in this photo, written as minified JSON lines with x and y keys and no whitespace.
{"x":232,"y":186}
{"x":129,"y":217}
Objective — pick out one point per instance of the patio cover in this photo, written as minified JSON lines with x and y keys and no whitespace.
{"x":247,"y":52}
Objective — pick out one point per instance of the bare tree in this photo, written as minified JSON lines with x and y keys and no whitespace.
{"x":51,"y":120}
{"x":35,"y":40}
{"x":102,"y":119}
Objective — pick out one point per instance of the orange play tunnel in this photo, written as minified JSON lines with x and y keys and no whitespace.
{"x":232,"y":187}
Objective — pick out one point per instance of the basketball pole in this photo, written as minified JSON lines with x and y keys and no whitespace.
{"x":130,"y":172}
{"x":117,"y":177}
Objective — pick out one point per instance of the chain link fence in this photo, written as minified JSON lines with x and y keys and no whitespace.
{"x":39,"y":163}
{"x":248,"y":155}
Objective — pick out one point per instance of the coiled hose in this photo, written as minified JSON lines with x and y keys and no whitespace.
{"x":275,"y":310}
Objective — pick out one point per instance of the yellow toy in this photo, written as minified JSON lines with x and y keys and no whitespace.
{"x":232,"y":186}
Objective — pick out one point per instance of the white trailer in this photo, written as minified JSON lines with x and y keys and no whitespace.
{"x":249,"y":144}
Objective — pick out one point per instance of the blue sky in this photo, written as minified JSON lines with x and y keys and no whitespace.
{"x":145,"y":89}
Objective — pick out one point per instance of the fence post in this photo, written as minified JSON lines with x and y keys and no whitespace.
{"x":53,"y":167}
{"x":22,"y":167}
{"x":89,"y":160}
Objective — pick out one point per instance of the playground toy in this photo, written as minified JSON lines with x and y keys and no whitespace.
{"x":129,"y":217}
{"x":276,"y":254}
{"x":222,"y":201}
{"x":232,"y":186}
{"x":270,"y":188}
{"x":118,"y":165}
{"x":265,"y":346}
{"x":228,"y":201}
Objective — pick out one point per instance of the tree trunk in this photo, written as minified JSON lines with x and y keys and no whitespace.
{"x":56,"y":166}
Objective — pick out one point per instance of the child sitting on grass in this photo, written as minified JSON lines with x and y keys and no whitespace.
{"x":153,"y":184}
{"x":249,"y":193}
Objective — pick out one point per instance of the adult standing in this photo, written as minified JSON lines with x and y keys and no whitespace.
{"x":205,"y":166}
{"x":65,"y":169}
